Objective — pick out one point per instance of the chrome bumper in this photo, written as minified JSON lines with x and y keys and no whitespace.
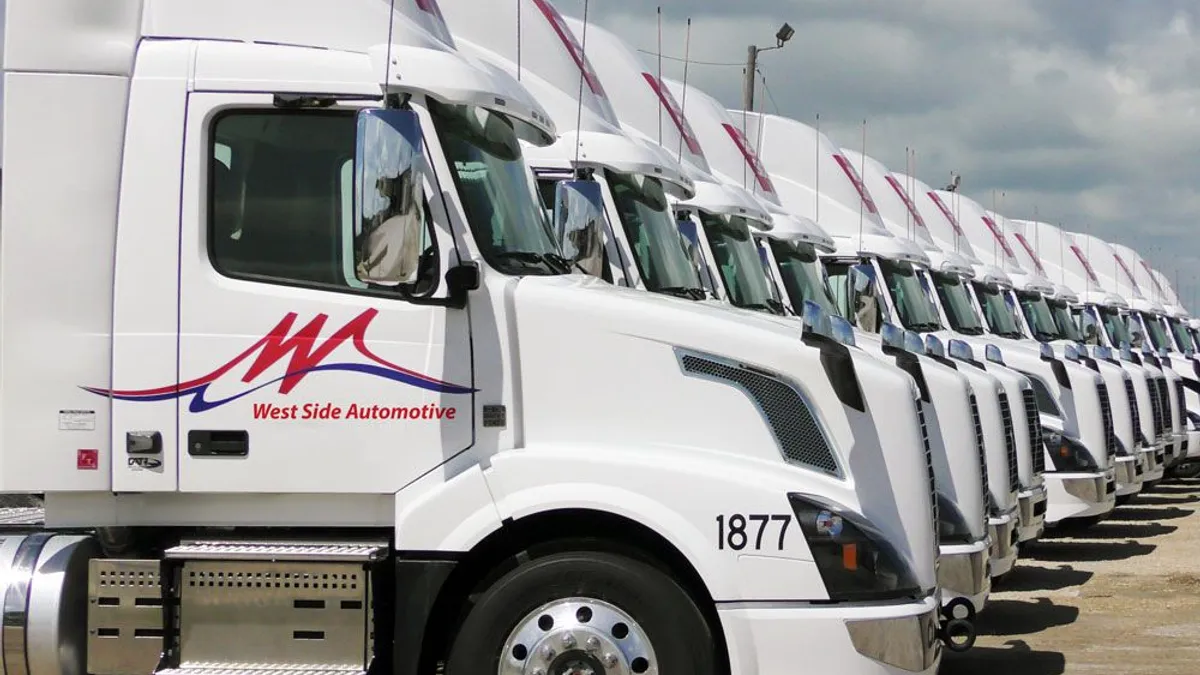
{"x":1093,"y":489}
{"x":966,"y":574}
{"x":1126,"y":470}
{"x":1032,"y":505}
{"x":909,"y":643}
{"x":1003,"y":536}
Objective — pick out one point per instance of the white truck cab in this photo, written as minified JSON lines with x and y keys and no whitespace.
{"x":1078,"y":481}
{"x":304,"y":390}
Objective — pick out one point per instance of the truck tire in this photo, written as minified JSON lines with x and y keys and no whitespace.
{"x":583,"y":611}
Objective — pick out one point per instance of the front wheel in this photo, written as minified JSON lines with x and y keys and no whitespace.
{"x":583,"y":612}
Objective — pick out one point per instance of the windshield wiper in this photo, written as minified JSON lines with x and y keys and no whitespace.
{"x":552,"y":261}
{"x":770,"y":306}
{"x":971,"y":330}
{"x":1045,"y":336}
{"x":684,"y":292}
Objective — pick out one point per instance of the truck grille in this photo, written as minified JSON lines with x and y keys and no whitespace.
{"x":982,"y":453}
{"x":1164,"y":405}
{"x":1033,"y":419}
{"x":1110,"y":435}
{"x":1181,"y":404}
{"x":929,"y":471}
{"x":1133,"y":409}
{"x":1155,"y":408}
{"x":1010,"y":441}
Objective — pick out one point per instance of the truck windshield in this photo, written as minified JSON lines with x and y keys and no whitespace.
{"x":1114,"y":325}
{"x":1157,"y":335}
{"x":916,"y":310}
{"x":1064,"y":321}
{"x":497,"y":194}
{"x":1038,"y":316}
{"x":996,"y":311}
{"x":802,"y":275}
{"x":737,"y":259}
{"x":1182,"y":337}
{"x":957,"y":303}
{"x":653,"y":236}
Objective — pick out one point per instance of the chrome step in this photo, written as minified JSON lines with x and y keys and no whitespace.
{"x":22,"y":516}
{"x":257,"y":669}
{"x":125,"y":616}
{"x":299,"y":551}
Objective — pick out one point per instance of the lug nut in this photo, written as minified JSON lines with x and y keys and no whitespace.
{"x":568,"y":640}
{"x":548,"y":652}
{"x":593,"y":642}
{"x":610,"y":659}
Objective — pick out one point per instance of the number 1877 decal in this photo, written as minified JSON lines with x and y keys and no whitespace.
{"x":755,"y":531}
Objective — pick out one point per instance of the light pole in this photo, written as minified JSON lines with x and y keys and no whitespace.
{"x":785,"y":33}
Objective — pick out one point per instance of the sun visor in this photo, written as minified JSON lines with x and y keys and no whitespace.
{"x":622,"y":154}
{"x":725,"y":200}
{"x":798,"y":229}
{"x":453,"y":78}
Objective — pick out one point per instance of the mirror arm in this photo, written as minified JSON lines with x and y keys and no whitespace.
{"x":460,"y":280}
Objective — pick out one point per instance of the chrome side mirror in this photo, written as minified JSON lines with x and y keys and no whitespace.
{"x":579,"y":224}
{"x":390,"y":227}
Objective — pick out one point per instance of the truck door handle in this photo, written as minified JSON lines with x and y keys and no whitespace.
{"x":224,"y":443}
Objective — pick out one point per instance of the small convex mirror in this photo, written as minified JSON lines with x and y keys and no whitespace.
{"x":843,"y":332}
{"x":914,"y":343}
{"x":689,"y":239}
{"x":960,"y":350}
{"x":579,"y":224}
{"x":816,"y":321}
{"x":1126,"y":352}
{"x":1070,"y":353}
{"x":1102,"y":353}
{"x":390,"y":230}
{"x":1046,"y":351}
{"x":934,"y":346}
{"x":893,"y":335}
{"x":993,"y":354}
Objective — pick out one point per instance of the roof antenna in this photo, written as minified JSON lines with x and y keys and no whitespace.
{"x":660,"y":105}
{"x":1062,"y":256}
{"x":387,"y":68}
{"x":908,"y":170}
{"x":687,"y":55}
{"x":862,"y":202}
{"x":582,"y":76}
{"x":817,"y":156}
{"x":995,"y":236}
{"x":758,"y":141}
{"x":518,"y":39}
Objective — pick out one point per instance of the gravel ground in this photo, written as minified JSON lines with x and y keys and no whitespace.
{"x":1121,"y":597}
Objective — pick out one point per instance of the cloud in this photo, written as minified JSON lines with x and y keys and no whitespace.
{"x":1088,"y":112}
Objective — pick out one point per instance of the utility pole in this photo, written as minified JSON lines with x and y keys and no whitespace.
{"x":785,"y":33}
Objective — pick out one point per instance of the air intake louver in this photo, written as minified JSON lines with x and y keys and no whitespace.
{"x":1181,"y":403}
{"x":796,"y":431}
{"x":1033,"y":419}
{"x":1133,"y":408}
{"x":1164,"y":405}
{"x":983,"y":466}
{"x":1155,"y":408}
{"x":1110,"y":435}
{"x":1010,"y":442}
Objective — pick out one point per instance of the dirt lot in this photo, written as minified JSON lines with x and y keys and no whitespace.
{"x":1122,"y":597}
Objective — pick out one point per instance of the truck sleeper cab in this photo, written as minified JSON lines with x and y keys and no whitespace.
{"x":399,"y":430}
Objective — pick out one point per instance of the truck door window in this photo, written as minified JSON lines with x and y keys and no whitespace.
{"x":802,"y":276}
{"x":280,"y":204}
{"x":956,"y":300}
{"x":653,"y":236}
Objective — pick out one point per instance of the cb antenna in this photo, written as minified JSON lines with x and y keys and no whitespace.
{"x":660,"y":82}
{"x":687,"y":55}
{"x":387,"y":67}
{"x":817,"y":166}
{"x":518,"y":39}
{"x":582,"y":76}
{"x":862,"y":202}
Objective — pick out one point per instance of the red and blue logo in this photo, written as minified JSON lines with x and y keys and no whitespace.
{"x":307,"y":355}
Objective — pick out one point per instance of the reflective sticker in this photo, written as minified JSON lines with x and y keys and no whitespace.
{"x":675,"y":113}
{"x":908,"y":202}
{"x":751,"y":157}
{"x":946,"y":212}
{"x":1037,"y":262}
{"x":573,"y":46}
{"x":858,"y":183}
{"x":1087,"y":266}
{"x":1000,"y":238}
{"x":87,"y":460}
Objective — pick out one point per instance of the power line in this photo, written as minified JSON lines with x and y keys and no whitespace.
{"x":691,"y":61}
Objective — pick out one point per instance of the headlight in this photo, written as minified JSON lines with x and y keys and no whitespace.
{"x":1067,"y":453}
{"x":952,"y":524}
{"x":855,"y":559}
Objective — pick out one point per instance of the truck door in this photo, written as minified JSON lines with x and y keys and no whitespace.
{"x":294,"y":377}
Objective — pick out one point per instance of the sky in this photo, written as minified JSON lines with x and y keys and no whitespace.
{"x":1083,"y":112}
